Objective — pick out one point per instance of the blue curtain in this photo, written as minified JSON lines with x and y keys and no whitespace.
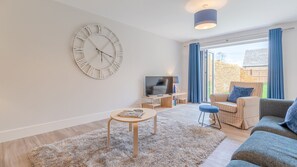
{"x":195,"y":74}
{"x":275,"y":65}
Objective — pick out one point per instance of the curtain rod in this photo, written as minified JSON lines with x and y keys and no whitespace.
{"x":226,"y":40}
{"x":290,"y":28}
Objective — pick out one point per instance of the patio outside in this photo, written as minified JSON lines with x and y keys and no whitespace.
{"x":245,"y":63}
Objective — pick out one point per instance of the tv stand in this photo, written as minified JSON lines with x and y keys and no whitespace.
{"x":166,"y":100}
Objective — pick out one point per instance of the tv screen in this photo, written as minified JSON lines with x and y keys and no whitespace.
{"x":158,"y":85}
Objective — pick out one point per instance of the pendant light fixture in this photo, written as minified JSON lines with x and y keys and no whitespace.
{"x":205,"y":19}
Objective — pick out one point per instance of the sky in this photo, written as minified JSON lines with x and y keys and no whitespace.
{"x":235,"y":54}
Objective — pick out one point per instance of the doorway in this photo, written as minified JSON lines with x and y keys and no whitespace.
{"x":242,"y":62}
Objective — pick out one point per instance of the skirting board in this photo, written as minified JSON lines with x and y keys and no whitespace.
{"x":32,"y":130}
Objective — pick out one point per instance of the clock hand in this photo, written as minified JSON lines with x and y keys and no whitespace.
{"x":107,"y":54}
{"x":96,"y":45}
{"x":101,"y":57}
{"x":106,"y":59}
{"x":100,"y":53}
{"x":93,"y":44}
{"x":104,"y":53}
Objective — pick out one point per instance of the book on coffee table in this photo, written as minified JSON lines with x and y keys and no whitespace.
{"x":137,"y":113}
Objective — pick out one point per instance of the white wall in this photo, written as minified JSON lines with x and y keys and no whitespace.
{"x":40,"y":82}
{"x":289,"y":53}
{"x":290,"y":62}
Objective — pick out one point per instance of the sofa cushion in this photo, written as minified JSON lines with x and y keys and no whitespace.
{"x":240,"y":163}
{"x":291,"y":118}
{"x":268,"y":149}
{"x":227,"y":106}
{"x":271,"y":124}
{"x":238,"y":92}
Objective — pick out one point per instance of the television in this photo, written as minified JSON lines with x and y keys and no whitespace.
{"x":158,"y":85}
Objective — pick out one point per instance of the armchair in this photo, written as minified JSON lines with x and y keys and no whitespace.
{"x":245,"y":112}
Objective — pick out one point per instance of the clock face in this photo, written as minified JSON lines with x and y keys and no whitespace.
{"x":97,"y":51}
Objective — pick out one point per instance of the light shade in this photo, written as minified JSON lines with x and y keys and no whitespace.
{"x":205,"y":19}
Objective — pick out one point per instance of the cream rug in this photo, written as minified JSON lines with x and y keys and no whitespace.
{"x":175,"y":144}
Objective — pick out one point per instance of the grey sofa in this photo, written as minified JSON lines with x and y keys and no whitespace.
{"x":270,"y":145}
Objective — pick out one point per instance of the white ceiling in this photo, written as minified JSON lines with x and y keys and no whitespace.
{"x":169,"y":18}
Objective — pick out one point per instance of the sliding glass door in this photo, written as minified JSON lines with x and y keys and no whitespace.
{"x":208,"y":74}
{"x":244,"y":63}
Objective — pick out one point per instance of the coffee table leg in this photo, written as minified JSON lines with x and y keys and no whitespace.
{"x":108,"y":132}
{"x":130,"y":127}
{"x":155,"y":124}
{"x":135,"y":139}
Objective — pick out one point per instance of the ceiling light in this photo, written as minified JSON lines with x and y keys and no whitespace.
{"x":205,"y":19}
{"x":193,"y":6}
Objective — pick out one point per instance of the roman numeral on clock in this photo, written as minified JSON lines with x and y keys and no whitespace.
{"x":82,"y":62}
{"x":99,"y":29}
{"x":119,"y":53}
{"x":116,"y":41}
{"x":116,"y":66}
{"x":84,"y":65}
{"x":91,"y":71}
{"x":88,"y":29}
{"x":80,"y":50}
{"x":81,"y":38}
{"x":117,"y":45}
{"x":101,"y":75}
{"x":108,"y":35}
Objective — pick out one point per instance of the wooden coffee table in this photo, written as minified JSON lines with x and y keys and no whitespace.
{"x":148,"y":114}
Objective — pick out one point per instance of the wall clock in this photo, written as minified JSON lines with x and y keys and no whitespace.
{"x":97,"y":51}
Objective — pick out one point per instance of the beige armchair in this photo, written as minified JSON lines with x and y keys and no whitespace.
{"x":245,"y":112}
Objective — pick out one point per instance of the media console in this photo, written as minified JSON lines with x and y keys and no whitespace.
{"x":165,"y":100}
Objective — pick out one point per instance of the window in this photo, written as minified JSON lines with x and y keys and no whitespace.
{"x":245,"y":63}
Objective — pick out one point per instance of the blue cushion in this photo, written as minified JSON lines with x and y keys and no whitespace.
{"x":208,"y":108}
{"x":291,"y":118}
{"x":238,"y":92}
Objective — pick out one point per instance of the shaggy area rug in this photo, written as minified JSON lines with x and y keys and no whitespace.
{"x":175,"y":144}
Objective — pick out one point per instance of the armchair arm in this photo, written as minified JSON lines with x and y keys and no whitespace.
{"x":218,"y":97}
{"x":273,"y":107}
{"x":248,"y":106}
{"x":248,"y":101}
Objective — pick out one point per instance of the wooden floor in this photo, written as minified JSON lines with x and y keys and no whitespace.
{"x":14,"y":153}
